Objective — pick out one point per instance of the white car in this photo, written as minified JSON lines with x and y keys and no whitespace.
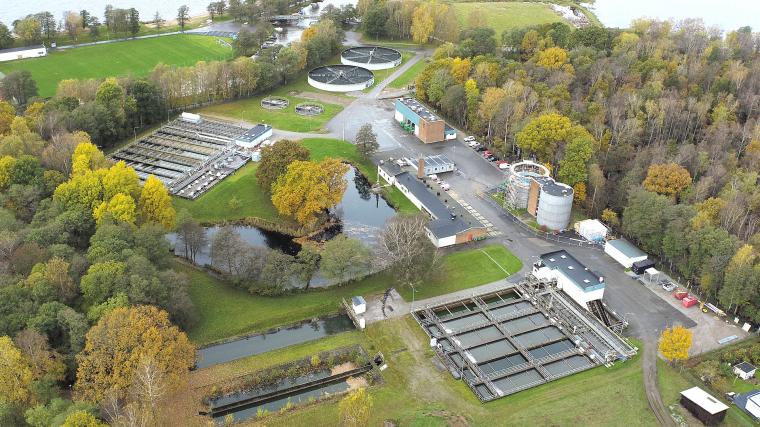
{"x":434,"y":177}
{"x":445,"y":186}
{"x":473,"y":143}
{"x":469,"y":139}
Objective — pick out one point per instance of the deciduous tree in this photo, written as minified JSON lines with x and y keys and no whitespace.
{"x":407,"y":249}
{"x":15,"y":373}
{"x":308,"y":189}
{"x":275,"y":160}
{"x":155,"y":205}
{"x":343,"y":258}
{"x":574,"y":164}
{"x":366,"y":141}
{"x":120,"y":341}
{"x":668,"y":179}
{"x":675,"y":343}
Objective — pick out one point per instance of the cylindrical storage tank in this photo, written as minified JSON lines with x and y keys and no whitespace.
{"x":371,"y":57}
{"x":555,"y":205}
{"x":519,"y":182}
{"x":341,"y":78}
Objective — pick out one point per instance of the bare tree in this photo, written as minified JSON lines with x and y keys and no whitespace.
{"x":227,"y":250}
{"x":149,"y":383}
{"x":193,"y":236}
{"x":407,"y":249}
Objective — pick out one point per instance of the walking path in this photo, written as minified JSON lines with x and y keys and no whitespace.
{"x":375,"y":92}
{"x":649,"y":366}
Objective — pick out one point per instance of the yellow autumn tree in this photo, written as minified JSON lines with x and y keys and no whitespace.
{"x":7,"y":113}
{"x":155,"y":205}
{"x":82,"y":419}
{"x":460,"y":69}
{"x":120,"y":178}
{"x":355,"y":408}
{"x":123,"y":339}
{"x":668,"y":179}
{"x":15,"y":373}
{"x":708,"y":213}
{"x":307,"y":189}
{"x":84,"y":189}
{"x":6,"y":165}
{"x":675,"y":343}
{"x":579,"y":193}
{"x":610,"y":218}
{"x":86,"y":156}
{"x":121,"y":207}
{"x":553,"y":58}
{"x":423,"y":22}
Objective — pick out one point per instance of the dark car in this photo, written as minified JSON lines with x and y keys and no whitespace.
{"x":491,"y":158}
{"x":480,"y":149}
{"x":495,"y":157}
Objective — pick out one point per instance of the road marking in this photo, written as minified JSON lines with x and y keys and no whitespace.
{"x":494,"y":261}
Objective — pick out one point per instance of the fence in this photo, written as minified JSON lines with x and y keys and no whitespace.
{"x":551,"y":237}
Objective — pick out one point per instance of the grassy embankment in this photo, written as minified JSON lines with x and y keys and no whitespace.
{"x":507,"y":15}
{"x":136,"y":57}
{"x":415,"y":393}
{"x":226,"y":311}
{"x":213,"y":206}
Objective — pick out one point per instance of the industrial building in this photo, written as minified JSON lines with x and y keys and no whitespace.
{"x":426,"y":125}
{"x":22,"y":53}
{"x":450,"y":223}
{"x":702,"y":405}
{"x":584,"y":286}
{"x":528,"y":186}
{"x":591,"y":229}
{"x":190,"y":154}
{"x":525,"y":335}
{"x":254,"y":136}
{"x":371,"y":57}
{"x":341,"y":78}
{"x":624,"y":252}
{"x":433,"y":165}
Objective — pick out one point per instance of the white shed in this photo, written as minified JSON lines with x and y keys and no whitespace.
{"x":190,"y":117}
{"x":624,"y":252}
{"x":745,"y":370}
{"x":591,"y":229}
{"x":22,"y":53}
{"x":359,"y":305}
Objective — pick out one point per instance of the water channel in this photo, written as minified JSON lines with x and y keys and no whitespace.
{"x":262,"y":343}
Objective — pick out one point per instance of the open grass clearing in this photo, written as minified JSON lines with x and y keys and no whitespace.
{"x":415,"y":393}
{"x":381,"y":75}
{"x":407,"y":77}
{"x":507,"y":15}
{"x":136,"y":57}
{"x":214,"y":207}
{"x":225,"y":311}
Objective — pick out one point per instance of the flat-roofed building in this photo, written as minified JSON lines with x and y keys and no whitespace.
{"x":702,"y":405}
{"x":22,"y":53}
{"x":624,"y":252}
{"x":426,"y":125}
{"x":254,"y":136}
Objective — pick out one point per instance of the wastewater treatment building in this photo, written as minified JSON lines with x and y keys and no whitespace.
{"x":423,"y":123}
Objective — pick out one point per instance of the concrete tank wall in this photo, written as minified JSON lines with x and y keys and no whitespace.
{"x":554,"y":211}
{"x":341,"y":88}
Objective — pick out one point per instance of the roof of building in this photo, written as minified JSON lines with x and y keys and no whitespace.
{"x":745,"y":367}
{"x":253,"y":133}
{"x":435,"y":206}
{"x":419,"y":109}
{"x":552,"y":187}
{"x":704,"y":400}
{"x":627,"y":248}
{"x":569,"y":266}
{"x":358,"y":300}
{"x":749,"y":402}
{"x":22,"y":48}
{"x":391,"y":168}
{"x":438,"y":160}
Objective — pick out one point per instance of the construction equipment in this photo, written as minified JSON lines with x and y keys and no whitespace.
{"x":706,"y":307}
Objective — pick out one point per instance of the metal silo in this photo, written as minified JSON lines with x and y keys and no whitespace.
{"x":555,"y":204}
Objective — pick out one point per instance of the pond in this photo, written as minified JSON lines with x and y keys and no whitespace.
{"x":726,"y":14}
{"x":363,"y":215}
{"x":262,"y":343}
{"x":311,"y":16}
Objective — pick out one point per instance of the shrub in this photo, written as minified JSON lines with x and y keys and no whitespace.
{"x":315,"y":360}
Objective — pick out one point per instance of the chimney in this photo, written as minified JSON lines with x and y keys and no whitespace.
{"x":421,"y":167}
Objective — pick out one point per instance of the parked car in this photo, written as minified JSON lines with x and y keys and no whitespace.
{"x":487,"y":153}
{"x":469,"y":138}
{"x":445,"y":186}
{"x":502,"y":164}
{"x":480,"y":149}
{"x":434,"y":177}
{"x":473,"y":143}
{"x":496,"y":157}
{"x":669,"y":286}
{"x":491,"y":158}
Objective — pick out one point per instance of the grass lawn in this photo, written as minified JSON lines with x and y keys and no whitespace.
{"x":466,"y":269}
{"x":381,"y":75}
{"x":225,"y":311}
{"x":407,"y":77}
{"x":137,"y":57}
{"x":213,"y":206}
{"x":508,"y":15}
{"x":415,"y":393}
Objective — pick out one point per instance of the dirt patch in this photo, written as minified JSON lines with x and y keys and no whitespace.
{"x":324,"y":97}
{"x":355,"y":383}
{"x":343,"y":367}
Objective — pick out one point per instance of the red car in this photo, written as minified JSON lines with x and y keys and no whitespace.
{"x":487,"y":153}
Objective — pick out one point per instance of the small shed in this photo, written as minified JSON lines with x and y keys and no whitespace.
{"x":640,"y":267}
{"x":624,"y":252}
{"x":745,"y":370}
{"x":750,"y":403}
{"x":359,"y":305}
{"x":702,"y":405}
{"x":591,"y":229}
{"x":651,"y":275}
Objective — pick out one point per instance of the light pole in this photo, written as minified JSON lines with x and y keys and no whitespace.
{"x":241,"y":118}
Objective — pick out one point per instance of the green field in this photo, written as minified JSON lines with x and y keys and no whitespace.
{"x":407,"y":77}
{"x":137,"y":57}
{"x":213,"y":206}
{"x":225,"y":311}
{"x":508,"y":15}
{"x":414,"y":393}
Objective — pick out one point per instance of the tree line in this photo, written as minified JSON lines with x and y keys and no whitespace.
{"x":656,"y":127}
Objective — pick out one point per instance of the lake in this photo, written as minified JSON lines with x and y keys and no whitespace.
{"x":725,"y":14}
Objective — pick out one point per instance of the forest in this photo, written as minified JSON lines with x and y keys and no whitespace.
{"x":656,"y":127}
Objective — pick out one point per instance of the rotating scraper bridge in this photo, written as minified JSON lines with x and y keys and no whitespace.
{"x":525,"y":335}
{"x":190,"y":157}
{"x":371,"y":57}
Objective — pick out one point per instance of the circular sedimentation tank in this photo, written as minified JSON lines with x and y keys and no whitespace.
{"x":371,"y":57}
{"x":310,"y":109}
{"x":341,"y":78}
{"x":274,"y":103}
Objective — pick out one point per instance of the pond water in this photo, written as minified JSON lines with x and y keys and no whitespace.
{"x":292,"y":33}
{"x":725,"y":14}
{"x":262,"y":343}
{"x":363,"y":215}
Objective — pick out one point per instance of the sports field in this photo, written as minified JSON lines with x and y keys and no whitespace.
{"x":508,"y":15}
{"x":135,"y":57}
